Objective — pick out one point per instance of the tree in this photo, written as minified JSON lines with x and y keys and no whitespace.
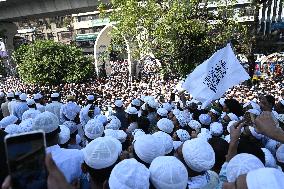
{"x":49,"y":62}
{"x":180,"y":33}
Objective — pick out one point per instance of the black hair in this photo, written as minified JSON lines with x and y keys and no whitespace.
{"x":10,"y":98}
{"x":271,"y":100}
{"x":132,"y":118}
{"x":234,"y":106}
{"x":73,"y":135}
{"x":144,"y":124}
{"x":52,"y":137}
{"x":54,"y":98}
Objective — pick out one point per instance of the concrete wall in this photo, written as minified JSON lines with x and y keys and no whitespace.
{"x":10,"y":31}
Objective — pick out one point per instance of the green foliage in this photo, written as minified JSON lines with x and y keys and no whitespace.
{"x":179,"y":33}
{"x":49,"y":62}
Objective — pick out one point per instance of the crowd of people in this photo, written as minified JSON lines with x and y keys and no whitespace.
{"x":148,"y":133}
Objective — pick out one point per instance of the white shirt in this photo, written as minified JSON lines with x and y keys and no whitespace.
{"x":54,"y":108}
{"x":30,"y":113}
{"x":11,"y":106}
{"x":19,"y":109}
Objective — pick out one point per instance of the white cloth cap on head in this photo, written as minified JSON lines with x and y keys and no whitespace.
{"x":177,"y":144}
{"x":136,"y":102}
{"x":265,"y":178}
{"x":8,"y":121}
{"x":166,"y":140}
{"x":242,"y":164}
{"x":37,"y":96}
{"x":254,"y":111}
{"x":280,"y":153}
{"x":137,"y":132}
{"x":148,"y":147}
{"x":281,"y":118}
{"x":222,"y":101}
{"x":216,"y":129}
{"x":102,"y":152}
{"x":64,"y":135}
{"x":46,"y":121}
{"x":18,"y":93}
{"x":233,"y":117}
{"x":181,"y":120}
{"x":194,"y":125}
{"x":255,"y":106}
{"x":162,"y":112}
{"x":26,"y":125}
{"x":30,"y":101}
{"x":165,"y":125}
{"x":131,"y":110}
{"x":118,"y":103}
{"x":254,"y":133}
{"x":271,"y":145}
{"x":198,"y":155}
{"x":167,"y":172}
{"x":153,"y":104}
{"x":90,"y":97}
{"x":101,"y":118}
{"x":183,"y":135}
{"x":176,"y":112}
{"x":205,"y":119}
{"x":71,"y":126}
{"x":167,"y":106}
{"x":12,"y":129}
{"x":204,"y":134}
{"x":117,"y":134}
{"x":23,"y":96}
{"x":93,"y":129}
{"x":129,"y":174}
{"x":10,"y":95}
{"x":269,"y":158}
{"x":54,"y":95}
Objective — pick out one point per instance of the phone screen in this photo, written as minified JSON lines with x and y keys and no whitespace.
{"x":26,"y":156}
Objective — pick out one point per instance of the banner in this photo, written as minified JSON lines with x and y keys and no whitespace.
{"x":210,"y":80}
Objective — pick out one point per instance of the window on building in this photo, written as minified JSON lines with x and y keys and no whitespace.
{"x":83,"y":18}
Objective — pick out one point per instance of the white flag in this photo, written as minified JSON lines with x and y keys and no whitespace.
{"x":210,"y":80}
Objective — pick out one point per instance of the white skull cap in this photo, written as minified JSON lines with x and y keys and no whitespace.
{"x":271,"y":145}
{"x":269,"y":158}
{"x":205,"y":119}
{"x":166,"y":140}
{"x":254,"y":133}
{"x":90,"y":97}
{"x":255,"y":106}
{"x":183,"y":135}
{"x":167,"y":106}
{"x":117,"y":134}
{"x":37,"y":96}
{"x":137,"y":132}
{"x":54,"y":95}
{"x":216,"y":129}
{"x":118,"y":103}
{"x":165,"y":125}
{"x":26,"y":125}
{"x":198,"y":155}
{"x":167,"y":172}
{"x":176,"y":112}
{"x":181,"y":120}
{"x":8,"y":121}
{"x":233,"y":117}
{"x":254,"y":111}
{"x":102,"y":152}
{"x":280,"y":153}
{"x":18,"y":93}
{"x":12,"y":129}
{"x":64,"y":135}
{"x":71,"y":125}
{"x":46,"y":121}
{"x":204,"y":134}
{"x":153,"y":104}
{"x":265,"y":178}
{"x":129,"y":174}
{"x":194,"y":125}
{"x":148,"y":147}
{"x":101,"y":118}
{"x":242,"y":164}
{"x":23,"y":96}
{"x":131,"y":110}
{"x":93,"y":129}
{"x":222,"y":101}
{"x":162,"y":112}
{"x":136,"y":102}
{"x":30,"y":101}
{"x":10,"y":95}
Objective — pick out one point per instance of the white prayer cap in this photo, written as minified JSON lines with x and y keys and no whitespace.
{"x":177,"y":144}
{"x":136,"y":102}
{"x":205,"y":119}
{"x":101,"y":118}
{"x":183,"y":135}
{"x":18,"y":93}
{"x":90,"y":97}
{"x":112,"y":125}
{"x":255,"y":106}
{"x":137,"y":132}
{"x":166,"y":140}
{"x":46,"y":121}
{"x":2,"y":94}
{"x":131,"y":110}
{"x":30,"y":102}
{"x":129,"y":174}
{"x":198,"y":155}
{"x":12,"y":129}
{"x":54,"y":95}
{"x":26,"y":125}
{"x":204,"y":134}
{"x":23,"y":96}
{"x":271,"y":145}
{"x":194,"y":125}
{"x":269,"y":158}
{"x":280,"y":153}
{"x":281,"y":118}
{"x":176,"y":112}
{"x":216,"y":129}
{"x":233,"y":117}
{"x":242,"y":164}
{"x":117,"y":134}
{"x":10,"y":95}
{"x":37,"y":96}
{"x":153,"y":104}
{"x":181,"y":120}
{"x":71,"y":125}
{"x":64,"y":135}
{"x":148,"y":147}
{"x":222,"y":101}
{"x":254,"y":112}
{"x":162,"y":112}
{"x":8,"y":121}
{"x":93,"y":129}
{"x":167,"y":106}
{"x":102,"y":152}
{"x":265,"y":178}
{"x":165,"y":125}
{"x":254,"y":133}
{"x":167,"y":172}
{"x":118,"y":103}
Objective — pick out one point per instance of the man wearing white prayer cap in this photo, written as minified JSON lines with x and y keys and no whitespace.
{"x":117,"y":134}
{"x":90,"y":111}
{"x":195,"y":125}
{"x":12,"y":129}
{"x":120,"y":114}
{"x":21,"y":106}
{"x":182,"y":135}
{"x":199,"y":157}
{"x":39,"y":106}
{"x":26,"y":125}
{"x":31,"y":112}
{"x":132,"y":116}
{"x":73,"y":127}
{"x":167,"y":172}
{"x":152,"y":106}
{"x":167,"y":106}
{"x":166,"y":140}
{"x":129,"y":173}
{"x":67,"y":160}
{"x":93,"y":129}
{"x":205,"y":119}
{"x":55,"y":105}
{"x":216,"y":129}
{"x":100,"y":157}
{"x":162,"y":113}
{"x":64,"y":136}
{"x":13,"y":101}
{"x":8,"y":121}
{"x":70,"y":111}
{"x":165,"y":125}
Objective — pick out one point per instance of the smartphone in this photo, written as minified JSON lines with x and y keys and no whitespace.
{"x":25,"y":157}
